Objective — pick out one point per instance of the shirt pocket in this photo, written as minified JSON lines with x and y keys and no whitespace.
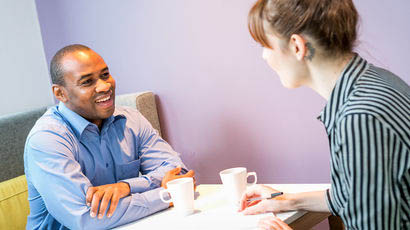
{"x":128,"y":170}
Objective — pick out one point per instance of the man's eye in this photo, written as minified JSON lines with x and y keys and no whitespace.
{"x":87,"y":82}
{"x":106,"y":75}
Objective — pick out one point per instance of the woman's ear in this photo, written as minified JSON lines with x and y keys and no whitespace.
{"x":298,"y":46}
{"x":59,"y":93}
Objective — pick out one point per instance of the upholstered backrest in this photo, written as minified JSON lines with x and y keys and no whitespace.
{"x":14,"y":129}
{"x":145,"y":103}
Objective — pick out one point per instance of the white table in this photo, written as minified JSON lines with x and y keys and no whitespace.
{"x":212,"y":211}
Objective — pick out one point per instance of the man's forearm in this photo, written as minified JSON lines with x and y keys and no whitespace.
{"x":309,"y":201}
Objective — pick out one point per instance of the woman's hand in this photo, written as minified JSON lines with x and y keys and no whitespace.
{"x":272,"y":223}
{"x":276,"y":204}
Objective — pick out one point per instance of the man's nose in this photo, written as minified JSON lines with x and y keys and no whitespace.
{"x":102,"y":86}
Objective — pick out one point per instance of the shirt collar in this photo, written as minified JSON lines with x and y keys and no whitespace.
{"x":118,"y":114}
{"x":79,"y":124}
{"x":341,"y":92}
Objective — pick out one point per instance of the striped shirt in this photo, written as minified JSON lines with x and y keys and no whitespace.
{"x":367,"y":119}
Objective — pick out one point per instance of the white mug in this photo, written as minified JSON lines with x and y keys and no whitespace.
{"x":234,"y":182}
{"x":182,"y":195}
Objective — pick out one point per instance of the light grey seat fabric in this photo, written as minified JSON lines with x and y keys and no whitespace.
{"x":14,"y":129}
{"x":145,"y":103}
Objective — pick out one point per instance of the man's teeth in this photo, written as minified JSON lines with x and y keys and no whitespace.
{"x":103,"y":99}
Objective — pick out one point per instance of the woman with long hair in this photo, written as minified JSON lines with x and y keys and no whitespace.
{"x":367,"y":115}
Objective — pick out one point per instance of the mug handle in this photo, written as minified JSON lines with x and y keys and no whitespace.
{"x":161,"y":195}
{"x":254,"y":175}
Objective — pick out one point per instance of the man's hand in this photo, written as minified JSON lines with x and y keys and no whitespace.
{"x":106,"y":194}
{"x":173,"y":174}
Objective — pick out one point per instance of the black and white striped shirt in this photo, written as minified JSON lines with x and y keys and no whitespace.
{"x":367,"y":119}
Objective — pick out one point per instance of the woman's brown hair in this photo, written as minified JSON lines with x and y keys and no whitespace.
{"x":331,"y":23}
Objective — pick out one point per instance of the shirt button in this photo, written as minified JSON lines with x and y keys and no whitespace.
{"x":106,"y":165}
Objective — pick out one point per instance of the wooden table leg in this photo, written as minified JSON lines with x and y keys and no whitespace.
{"x":309,"y":220}
{"x":335,"y":223}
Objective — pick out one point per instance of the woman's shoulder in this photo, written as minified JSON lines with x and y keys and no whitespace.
{"x":384,"y":80}
{"x":379,"y":95}
{"x":379,"y":91}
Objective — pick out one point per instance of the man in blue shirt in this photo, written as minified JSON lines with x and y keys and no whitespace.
{"x":83,"y":157}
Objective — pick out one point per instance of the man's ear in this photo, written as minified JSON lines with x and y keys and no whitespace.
{"x":59,"y":92}
{"x":298,"y":46}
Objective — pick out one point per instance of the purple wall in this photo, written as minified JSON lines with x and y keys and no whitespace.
{"x":221,"y":106}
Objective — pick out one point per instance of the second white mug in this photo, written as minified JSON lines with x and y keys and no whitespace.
{"x":234,"y":182}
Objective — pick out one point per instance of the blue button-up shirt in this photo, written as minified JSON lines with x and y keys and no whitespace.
{"x":66,"y":154}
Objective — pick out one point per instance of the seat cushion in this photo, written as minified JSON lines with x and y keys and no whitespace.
{"x":14,"y":206}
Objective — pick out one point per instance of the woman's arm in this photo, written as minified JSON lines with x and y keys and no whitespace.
{"x":309,"y":201}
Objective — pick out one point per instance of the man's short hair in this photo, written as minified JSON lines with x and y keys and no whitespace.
{"x":56,"y":69}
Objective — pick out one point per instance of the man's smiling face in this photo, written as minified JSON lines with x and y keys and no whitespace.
{"x":89,"y":89}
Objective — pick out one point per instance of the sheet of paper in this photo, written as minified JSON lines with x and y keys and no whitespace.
{"x":226,"y":218}
{"x":219,"y":218}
